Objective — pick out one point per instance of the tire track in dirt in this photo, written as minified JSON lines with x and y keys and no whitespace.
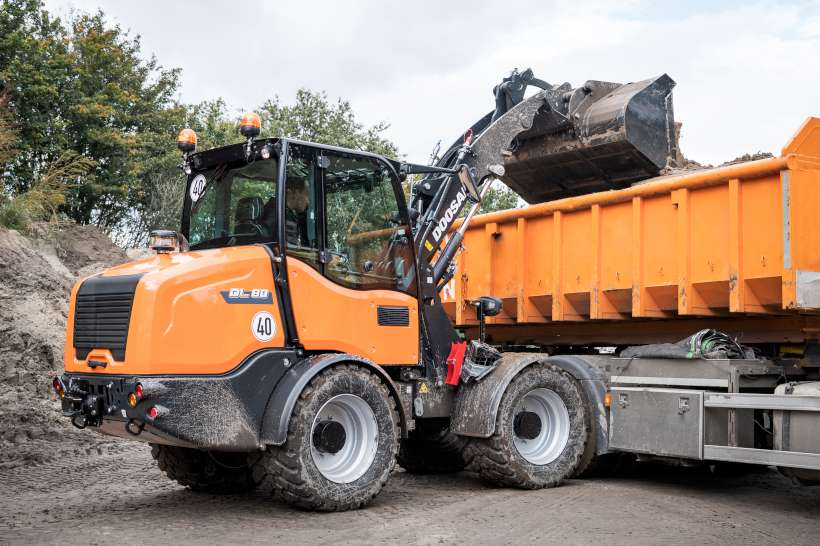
{"x":101,"y":498}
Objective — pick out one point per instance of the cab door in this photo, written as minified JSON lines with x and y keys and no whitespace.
{"x":351,"y":267}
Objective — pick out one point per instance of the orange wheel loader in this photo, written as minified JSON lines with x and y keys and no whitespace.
{"x":299,"y":331}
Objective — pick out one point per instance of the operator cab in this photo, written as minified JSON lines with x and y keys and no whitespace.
{"x":340,"y":211}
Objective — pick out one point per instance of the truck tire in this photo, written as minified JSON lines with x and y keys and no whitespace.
{"x":540,"y":431}
{"x":206,"y":471}
{"x":432,"y":449}
{"x":592,"y":465}
{"x":341,"y":444}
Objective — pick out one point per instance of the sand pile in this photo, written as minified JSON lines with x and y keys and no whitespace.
{"x":36,"y":275}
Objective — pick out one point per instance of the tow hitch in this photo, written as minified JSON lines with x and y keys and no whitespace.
{"x":85,"y":409}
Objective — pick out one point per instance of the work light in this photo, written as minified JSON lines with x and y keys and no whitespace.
{"x":163,"y":241}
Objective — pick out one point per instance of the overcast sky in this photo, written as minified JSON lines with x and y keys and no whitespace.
{"x":747,"y":72}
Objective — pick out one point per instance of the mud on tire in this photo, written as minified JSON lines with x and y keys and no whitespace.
{"x":290,"y":471}
{"x":432,"y":449}
{"x":211,"y":472}
{"x":498,"y":458}
{"x":593,"y":465}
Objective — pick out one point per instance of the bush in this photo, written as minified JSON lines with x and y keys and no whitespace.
{"x":47,"y":194}
{"x":13,"y":215}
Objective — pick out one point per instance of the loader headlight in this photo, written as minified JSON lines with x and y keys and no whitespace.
{"x":163,"y":241}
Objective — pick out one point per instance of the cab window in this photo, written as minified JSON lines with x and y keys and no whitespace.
{"x":233,"y":206}
{"x":366,"y":239}
{"x":301,"y":203}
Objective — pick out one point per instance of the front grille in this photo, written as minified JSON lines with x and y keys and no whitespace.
{"x":393,"y":316}
{"x":101,"y":314}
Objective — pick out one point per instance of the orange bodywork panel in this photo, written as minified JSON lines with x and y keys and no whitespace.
{"x":330,"y":317}
{"x":736,"y":241}
{"x":180,"y":321}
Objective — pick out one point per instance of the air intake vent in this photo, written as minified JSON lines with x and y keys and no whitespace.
{"x":102,"y":313}
{"x":394,"y":316}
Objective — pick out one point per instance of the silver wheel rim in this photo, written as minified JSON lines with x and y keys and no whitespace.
{"x":553,"y":436}
{"x":361,"y":439}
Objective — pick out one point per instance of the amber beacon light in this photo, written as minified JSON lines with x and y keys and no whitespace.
{"x":250,"y":125}
{"x":186,"y":141}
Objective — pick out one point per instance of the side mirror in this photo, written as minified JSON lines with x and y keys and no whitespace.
{"x":488,"y":305}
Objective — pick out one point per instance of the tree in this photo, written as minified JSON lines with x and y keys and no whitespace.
{"x":85,"y":89}
{"x":499,"y":197}
{"x":316,"y":119}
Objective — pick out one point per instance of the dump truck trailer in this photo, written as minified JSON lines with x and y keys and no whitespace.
{"x":308,"y":325}
{"x":735,"y":248}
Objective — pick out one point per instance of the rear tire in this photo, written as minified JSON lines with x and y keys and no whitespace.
{"x":206,"y":471}
{"x":540,"y":431}
{"x":432,"y":449}
{"x":341,"y":443}
{"x":591,"y":464}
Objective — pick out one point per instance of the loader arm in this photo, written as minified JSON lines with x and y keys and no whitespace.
{"x":559,"y":142}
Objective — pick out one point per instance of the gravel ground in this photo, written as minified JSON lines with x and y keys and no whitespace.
{"x":119,"y":496}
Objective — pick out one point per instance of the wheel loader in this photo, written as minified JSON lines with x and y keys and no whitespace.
{"x":307,"y":326}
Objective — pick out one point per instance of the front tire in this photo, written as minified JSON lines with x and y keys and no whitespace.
{"x":206,"y":471}
{"x":540,"y":431}
{"x":341,"y":443}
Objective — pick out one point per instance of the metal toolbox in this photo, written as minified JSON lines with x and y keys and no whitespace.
{"x":659,"y":421}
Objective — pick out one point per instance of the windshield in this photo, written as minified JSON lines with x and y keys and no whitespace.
{"x":233,"y":206}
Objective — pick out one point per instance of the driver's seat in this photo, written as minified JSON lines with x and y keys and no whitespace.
{"x":248,"y":212}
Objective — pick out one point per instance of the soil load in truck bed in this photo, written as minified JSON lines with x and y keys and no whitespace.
{"x":737,"y":247}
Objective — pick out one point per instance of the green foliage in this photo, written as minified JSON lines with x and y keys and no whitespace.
{"x":8,"y":135}
{"x":499,"y":197}
{"x":47,"y":195}
{"x":314,"y":118}
{"x":81,"y":93}
{"x":83,"y":88}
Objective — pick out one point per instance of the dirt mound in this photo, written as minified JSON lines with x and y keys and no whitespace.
{"x":680,"y":164}
{"x":36,"y":276}
{"x":748,"y":157}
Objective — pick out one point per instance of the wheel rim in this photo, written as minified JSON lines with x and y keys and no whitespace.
{"x":541,"y":426}
{"x":347,"y":455}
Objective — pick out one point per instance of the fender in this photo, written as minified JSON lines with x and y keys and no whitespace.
{"x":286,"y":393}
{"x":476,"y":406}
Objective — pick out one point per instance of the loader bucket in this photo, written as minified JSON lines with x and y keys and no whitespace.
{"x":597,"y":137}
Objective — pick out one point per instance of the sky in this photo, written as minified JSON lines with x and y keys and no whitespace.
{"x":747,"y":73}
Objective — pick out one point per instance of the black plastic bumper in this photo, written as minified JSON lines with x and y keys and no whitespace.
{"x":223,"y":412}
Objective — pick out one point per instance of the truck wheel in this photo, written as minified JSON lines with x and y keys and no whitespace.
{"x":207,"y":471}
{"x":592,"y":465}
{"x":432,"y":449}
{"x":540,"y":431}
{"x":341,"y":444}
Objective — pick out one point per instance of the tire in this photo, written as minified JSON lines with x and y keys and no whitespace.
{"x":206,"y":471}
{"x":432,"y":449}
{"x":523,"y":452}
{"x":318,"y":468}
{"x":592,"y":465}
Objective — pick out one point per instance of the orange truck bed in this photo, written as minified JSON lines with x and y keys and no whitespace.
{"x":735,"y":248}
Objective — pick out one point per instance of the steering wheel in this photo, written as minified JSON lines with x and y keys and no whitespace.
{"x":248,"y":228}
